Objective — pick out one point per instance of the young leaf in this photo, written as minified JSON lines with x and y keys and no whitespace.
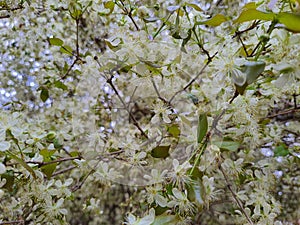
{"x":291,"y":21}
{"x":281,"y":150}
{"x":56,"y":41}
{"x":165,"y":219}
{"x":195,"y":193}
{"x":193,"y":5}
{"x":60,"y":85}
{"x":174,"y":130}
{"x":49,"y":169}
{"x":66,"y":49}
{"x":215,"y":21}
{"x":253,"y":69}
{"x":202,"y":127}
{"x":44,"y":93}
{"x":109,"y":5}
{"x":253,"y":14}
{"x":228,"y":145}
{"x":250,"y":5}
{"x":160,"y":151}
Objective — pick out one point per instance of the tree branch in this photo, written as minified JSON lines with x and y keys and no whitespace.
{"x":240,"y":205}
{"x":193,"y":80}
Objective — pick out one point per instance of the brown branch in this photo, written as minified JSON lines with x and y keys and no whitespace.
{"x":3,"y":17}
{"x":129,"y":14}
{"x":63,"y":171}
{"x":193,"y":80}
{"x":69,"y":70}
{"x":135,"y":123}
{"x":110,"y":82}
{"x":284,"y":113}
{"x":77,"y":37}
{"x":157,"y":92}
{"x":13,"y":9}
{"x":238,"y":202}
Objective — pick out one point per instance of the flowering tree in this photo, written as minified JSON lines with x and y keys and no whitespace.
{"x":149,"y":112}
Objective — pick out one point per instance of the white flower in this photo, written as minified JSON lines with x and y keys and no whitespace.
{"x":64,"y":187}
{"x":156,"y":177}
{"x":179,"y":176}
{"x":146,"y":220}
{"x":161,"y":112}
{"x":54,"y":209}
{"x":153,"y":195}
{"x":181,"y":202}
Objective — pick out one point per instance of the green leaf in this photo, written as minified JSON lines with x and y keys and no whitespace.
{"x":50,"y":136}
{"x":66,"y":49}
{"x":60,"y":85}
{"x":109,"y":5}
{"x":214,"y":21}
{"x":174,"y":130}
{"x":291,"y":21}
{"x":241,"y":89}
{"x":113,"y":44}
{"x":49,"y":169}
{"x":47,"y":154}
{"x":194,"y":6}
{"x":56,"y":41}
{"x":160,"y":151}
{"x":202,"y":127}
{"x":195,"y":193}
{"x":281,"y":150}
{"x":23,"y":163}
{"x":196,"y":173}
{"x":126,"y":68}
{"x":44,"y":93}
{"x":165,"y":219}
{"x":250,"y":5}
{"x":253,"y":69}
{"x":228,"y":145}
{"x":253,"y":14}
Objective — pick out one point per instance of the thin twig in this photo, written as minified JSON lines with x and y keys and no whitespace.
{"x":3,"y":17}
{"x":129,"y":14}
{"x":63,"y":171}
{"x":69,"y":70}
{"x":157,"y":92}
{"x":191,"y":81}
{"x":77,"y":37}
{"x":135,"y":123}
{"x":110,"y":82}
{"x":284,"y":113}
{"x":240,"y":205}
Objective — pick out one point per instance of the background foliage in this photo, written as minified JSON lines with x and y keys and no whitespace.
{"x":149,"y":112}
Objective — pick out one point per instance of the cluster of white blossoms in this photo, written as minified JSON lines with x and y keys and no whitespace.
{"x":149,"y":112}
